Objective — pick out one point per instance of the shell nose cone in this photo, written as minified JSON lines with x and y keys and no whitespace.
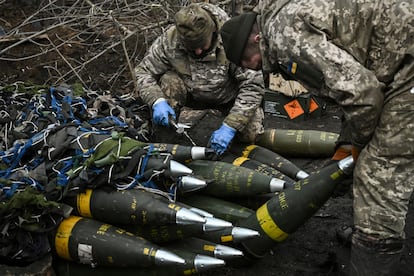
{"x":184,"y":217}
{"x":213,"y":224}
{"x":227,"y":252}
{"x":164,"y":257}
{"x":241,"y":234}
{"x":203,"y":263}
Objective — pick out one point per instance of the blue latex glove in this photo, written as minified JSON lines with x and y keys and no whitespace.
{"x":221,"y":138}
{"x":162,"y":112}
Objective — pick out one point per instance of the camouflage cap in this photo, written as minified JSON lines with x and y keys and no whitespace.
{"x":194,"y":26}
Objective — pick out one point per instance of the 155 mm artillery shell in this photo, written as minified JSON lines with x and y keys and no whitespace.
{"x":208,"y":248}
{"x":291,"y":208}
{"x":257,"y":166}
{"x":218,"y":207}
{"x":132,"y":206}
{"x":303,"y":143}
{"x":268,"y":157}
{"x":169,"y":233}
{"x":91,"y":242}
{"x":231,"y":180}
{"x":183,"y":153}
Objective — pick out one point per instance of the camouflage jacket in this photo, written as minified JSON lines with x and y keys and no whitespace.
{"x":211,"y":79}
{"x":345,"y":50}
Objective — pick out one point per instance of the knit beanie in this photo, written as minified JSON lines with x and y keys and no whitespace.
{"x":235,"y":33}
{"x":194,"y":26}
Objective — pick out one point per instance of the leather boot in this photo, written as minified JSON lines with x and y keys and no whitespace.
{"x":373,"y":256}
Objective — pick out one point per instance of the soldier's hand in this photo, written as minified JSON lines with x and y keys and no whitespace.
{"x":162,"y":112}
{"x":221,"y":138}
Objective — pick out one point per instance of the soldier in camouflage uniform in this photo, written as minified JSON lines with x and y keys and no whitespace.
{"x":361,"y":54}
{"x":187,"y":65}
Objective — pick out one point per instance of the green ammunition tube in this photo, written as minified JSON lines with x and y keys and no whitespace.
{"x":288,"y":210}
{"x":302,"y":143}
{"x":183,"y":153}
{"x":268,"y":157}
{"x":230,"y":180}
{"x":132,"y":206}
{"x":67,"y":268}
{"x":220,"y":208}
{"x":174,"y":232}
{"x":233,"y":235}
{"x":194,"y":264}
{"x":257,"y":166}
{"x":208,"y":248}
{"x":91,"y":242}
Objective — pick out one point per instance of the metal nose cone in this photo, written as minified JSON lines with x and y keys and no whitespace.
{"x":178,"y":169}
{"x":201,"y":212}
{"x":347,"y":165}
{"x":301,"y":175}
{"x":227,"y":252}
{"x":164,"y":257}
{"x":276,"y":185}
{"x":213,"y":224}
{"x":204,"y":263}
{"x":190,"y":183}
{"x":240,"y":234}
{"x":185,"y":216}
{"x":198,"y":153}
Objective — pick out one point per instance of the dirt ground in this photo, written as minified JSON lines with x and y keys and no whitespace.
{"x":314,"y":249}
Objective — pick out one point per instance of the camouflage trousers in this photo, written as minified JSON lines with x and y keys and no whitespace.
{"x":383,"y":176}
{"x":176,"y":93}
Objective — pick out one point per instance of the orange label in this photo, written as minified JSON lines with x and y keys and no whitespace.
{"x":293,"y":109}
{"x":313,"y":105}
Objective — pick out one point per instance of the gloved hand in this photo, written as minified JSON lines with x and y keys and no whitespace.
{"x":221,"y":138}
{"x":342,"y":151}
{"x":161,"y":112}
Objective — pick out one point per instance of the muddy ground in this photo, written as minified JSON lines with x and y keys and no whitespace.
{"x":314,"y":249}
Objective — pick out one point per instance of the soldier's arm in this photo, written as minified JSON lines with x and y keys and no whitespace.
{"x":152,"y":66}
{"x":249,"y":98}
{"x":355,"y":88}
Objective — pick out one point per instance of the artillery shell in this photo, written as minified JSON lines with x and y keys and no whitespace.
{"x":303,"y":143}
{"x":132,"y":206}
{"x":288,"y":210}
{"x":91,"y":242}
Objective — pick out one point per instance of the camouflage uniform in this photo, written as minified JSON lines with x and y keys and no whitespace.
{"x":361,"y":53}
{"x":170,"y":71}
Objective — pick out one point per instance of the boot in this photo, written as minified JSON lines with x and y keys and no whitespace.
{"x":373,"y":256}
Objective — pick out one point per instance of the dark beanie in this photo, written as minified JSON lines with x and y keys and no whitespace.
{"x":235,"y":33}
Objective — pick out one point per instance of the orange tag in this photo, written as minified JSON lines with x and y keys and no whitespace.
{"x":313,"y":106}
{"x":293,"y":109}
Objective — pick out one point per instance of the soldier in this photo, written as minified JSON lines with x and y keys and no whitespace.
{"x":187,"y":66}
{"x":361,"y":54}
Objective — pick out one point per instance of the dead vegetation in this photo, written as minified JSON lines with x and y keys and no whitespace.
{"x":94,"y":43}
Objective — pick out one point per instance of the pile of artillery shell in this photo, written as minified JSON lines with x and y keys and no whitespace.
{"x":140,"y":232}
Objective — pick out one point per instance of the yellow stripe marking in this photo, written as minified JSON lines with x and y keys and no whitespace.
{"x":63,"y":234}
{"x":247,"y":150}
{"x":227,"y":238}
{"x":268,"y":225}
{"x":294,"y":68}
{"x":209,"y":248}
{"x":84,"y":203}
{"x":239,"y":161}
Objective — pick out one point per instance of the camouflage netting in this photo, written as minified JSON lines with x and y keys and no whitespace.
{"x":93,"y":46}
